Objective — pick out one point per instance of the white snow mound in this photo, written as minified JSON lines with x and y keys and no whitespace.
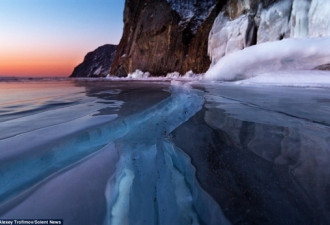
{"x":298,"y":78}
{"x":288,"y":54}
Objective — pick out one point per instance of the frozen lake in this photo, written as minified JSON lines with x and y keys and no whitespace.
{"x":160,"y":152}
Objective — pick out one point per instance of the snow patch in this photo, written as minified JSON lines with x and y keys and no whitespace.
{"x":192,"y":10}
{"x":190,"y":75}
{"x":138,"y":74}
{"x":305,"y":78}
{"x":173,"y":75}
{"x":98,"y":71}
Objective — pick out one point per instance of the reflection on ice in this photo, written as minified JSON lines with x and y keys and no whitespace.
{"x":285,"y":127}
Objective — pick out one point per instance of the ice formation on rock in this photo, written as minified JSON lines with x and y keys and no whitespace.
{"x":227,"y":36}
{"x":319,"y":20}
{"x":299,"y":18}
{"x":274,"y":22}
{"x":277,"y":21}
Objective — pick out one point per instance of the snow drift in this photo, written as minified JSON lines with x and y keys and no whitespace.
{"x":288,"y":54}
{"x":292,"y":78}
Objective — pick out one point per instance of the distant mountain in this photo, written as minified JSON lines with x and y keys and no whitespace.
{"x":96,"y":63}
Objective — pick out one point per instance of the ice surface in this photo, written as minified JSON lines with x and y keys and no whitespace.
{"x":75,"y":195}
{"x":286,"y":126}
{"x":36,"y":143}
{"x":150,"y":181}
{"x":96,"y":170}
{"x":30,"y":97}
{"x":52,"y":118}
{"x":43,"y":152}
{"x":293,"y":54}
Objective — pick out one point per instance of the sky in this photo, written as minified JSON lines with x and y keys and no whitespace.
{"x":51,"y":37}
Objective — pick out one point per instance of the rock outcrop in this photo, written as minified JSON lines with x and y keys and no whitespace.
{"x":165,"y":36}
{"x":96,"y":63}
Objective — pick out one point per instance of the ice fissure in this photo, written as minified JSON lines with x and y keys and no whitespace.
{"x":161,"y":187}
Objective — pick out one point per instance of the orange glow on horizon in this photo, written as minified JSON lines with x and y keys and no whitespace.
{"x":50,"y":38}
{"x":49,"y":63}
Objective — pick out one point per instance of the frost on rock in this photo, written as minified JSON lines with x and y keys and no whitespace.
{"x":319,"y":20}
{"x":310,"y":18}
{"x":299,"y":18}
{"x":274,"y":22}
{"x":192,"y":10}
{"x":227,"y":36}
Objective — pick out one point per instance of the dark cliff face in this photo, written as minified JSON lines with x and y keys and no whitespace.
{"x":165,"y":36}
{"x":96,"y":63}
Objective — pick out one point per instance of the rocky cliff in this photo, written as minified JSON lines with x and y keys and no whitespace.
{"x":96,"y":63}
{"x":180,"y":35}
{"x":165,"y":35}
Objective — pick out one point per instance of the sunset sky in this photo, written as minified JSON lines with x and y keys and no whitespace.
{"x":50,"y":37}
